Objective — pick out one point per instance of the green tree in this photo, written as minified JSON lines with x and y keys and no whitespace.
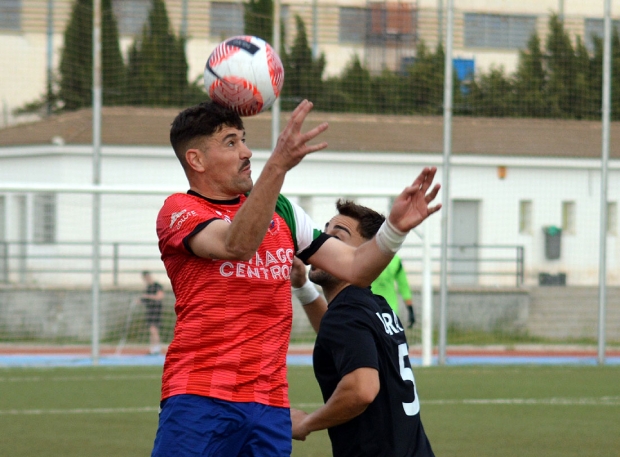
{"x":258,"y":19}
{"x":76,"y":61}
{"x":491,"y":94}
{"x":530,"y":81}
{"x":562,"y":67}
{"x":424,"y":81}
{"x":157,"y":74}
{"x":356,"y":86}
{"x":388,"y":93}
{"x":302,"y":73}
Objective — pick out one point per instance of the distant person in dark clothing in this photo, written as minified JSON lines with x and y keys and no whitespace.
{"x":153,"y":299}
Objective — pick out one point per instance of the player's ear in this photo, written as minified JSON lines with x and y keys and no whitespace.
{"x":195,"y":159}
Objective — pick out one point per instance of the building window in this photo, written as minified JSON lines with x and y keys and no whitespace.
{"x":10,"y":14}
{"x":131,"y":15}
{"x":568,"y":218}
{"x":612,"y":218}
{"x":391,"y":24}
{"x":44,"y":218}
{"x":595,"y":29}
{"x":525,"y":217}
{"x":226,"y":20}
{"x":352,"y":25}
{"x":498,"y":30}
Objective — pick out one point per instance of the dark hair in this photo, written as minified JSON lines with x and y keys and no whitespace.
{"x":368,"y":219}
{"x":200,"y":120}
{"x":146,"y":273}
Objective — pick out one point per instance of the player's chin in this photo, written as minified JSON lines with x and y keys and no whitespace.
{"x":319,"y":277}
{"x":245,"y":185}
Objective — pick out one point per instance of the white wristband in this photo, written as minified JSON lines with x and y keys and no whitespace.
{"x":389,"y":239}
{"x":306,"y":294}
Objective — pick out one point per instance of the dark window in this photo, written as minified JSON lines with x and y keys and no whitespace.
{"x":595,"y":28}
{"x":10,"y":14}
{"x":44,"y":218}
{"x":498,"y":30}
{"x":352,"y":25}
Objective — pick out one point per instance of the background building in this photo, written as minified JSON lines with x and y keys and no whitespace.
{"x":385,"y":35}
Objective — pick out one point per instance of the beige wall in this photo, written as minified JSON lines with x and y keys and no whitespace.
{"x":24,"y":53}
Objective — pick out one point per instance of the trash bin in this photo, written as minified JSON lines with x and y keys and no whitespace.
{"x":553,"y":242}
{"x":546,"y":279}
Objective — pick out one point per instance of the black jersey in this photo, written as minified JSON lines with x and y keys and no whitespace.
{"x":152,"y":289}
{"x":360,"y":330}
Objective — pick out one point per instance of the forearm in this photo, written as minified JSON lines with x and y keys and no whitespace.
{"x":340,"y":408}
{"x":315,"y":311}
{"x":368,"y":262}
{"x":248,"y":228}
{"x":359,"y":266}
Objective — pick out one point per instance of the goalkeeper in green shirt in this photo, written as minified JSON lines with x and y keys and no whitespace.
{"x":392,"y":278}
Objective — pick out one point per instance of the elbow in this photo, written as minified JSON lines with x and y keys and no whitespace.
{"x":243,"y":255}
{"x":237,"y":251}
{"x":367,"y":394}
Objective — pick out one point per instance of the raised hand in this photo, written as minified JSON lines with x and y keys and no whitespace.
{"x":292,"y":145}
{"x":411,"y":207}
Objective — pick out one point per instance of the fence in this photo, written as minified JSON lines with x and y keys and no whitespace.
{"x":71,"y":263}
{"x":526,"y":151}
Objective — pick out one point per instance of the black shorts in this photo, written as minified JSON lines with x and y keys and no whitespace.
{"x":153,"y":313}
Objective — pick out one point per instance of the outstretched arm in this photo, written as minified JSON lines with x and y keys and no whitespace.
{"x":362,"y":265}
{"x":240,"y":239}
{"x":353,"y":394}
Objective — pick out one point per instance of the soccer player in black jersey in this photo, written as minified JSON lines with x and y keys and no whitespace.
{"x":361,"y":361}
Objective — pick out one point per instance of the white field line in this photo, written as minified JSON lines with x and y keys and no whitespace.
{"x":81,"y":378}
{"x":591,"y":401}
{"x":36,"y":412}
{"x":601,"y":401}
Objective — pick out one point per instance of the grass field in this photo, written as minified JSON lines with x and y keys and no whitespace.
{"x":468,"y":411}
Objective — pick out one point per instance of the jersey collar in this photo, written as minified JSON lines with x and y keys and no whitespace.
{"x":233,"y":201}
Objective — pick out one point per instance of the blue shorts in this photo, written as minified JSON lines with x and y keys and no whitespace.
{"x":191,"y":425}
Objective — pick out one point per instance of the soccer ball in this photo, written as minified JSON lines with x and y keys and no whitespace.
{"x":245,"y":74}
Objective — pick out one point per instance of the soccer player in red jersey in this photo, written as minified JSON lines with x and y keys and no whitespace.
{"x":228,"y":253}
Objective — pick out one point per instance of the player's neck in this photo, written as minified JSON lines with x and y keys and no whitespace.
{"x":332,"y":290}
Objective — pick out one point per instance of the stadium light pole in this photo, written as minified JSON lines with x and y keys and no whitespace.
{"x":96,"y":178}
{"x":275,"y":109}
{"x":315,"y":30}
{"x":606,"y":113}
{"x":50,"y":53}
{"x":427,"y":298}
{"x":445,"y":182}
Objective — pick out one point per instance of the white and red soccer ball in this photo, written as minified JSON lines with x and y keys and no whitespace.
{"x":244,"y":73}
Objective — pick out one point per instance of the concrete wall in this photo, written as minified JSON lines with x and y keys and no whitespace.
{"x":557,"y":313}
{"x":60,"y":315}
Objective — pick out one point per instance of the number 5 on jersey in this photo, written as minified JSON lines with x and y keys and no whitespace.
{"x":411,"y":408}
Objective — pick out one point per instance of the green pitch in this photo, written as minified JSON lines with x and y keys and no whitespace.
{"x":469,"y":411}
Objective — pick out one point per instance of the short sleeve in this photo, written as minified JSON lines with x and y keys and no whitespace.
{"x":344,"y":330}
{"x":181,"y":217}
{"x":302,"y":227}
